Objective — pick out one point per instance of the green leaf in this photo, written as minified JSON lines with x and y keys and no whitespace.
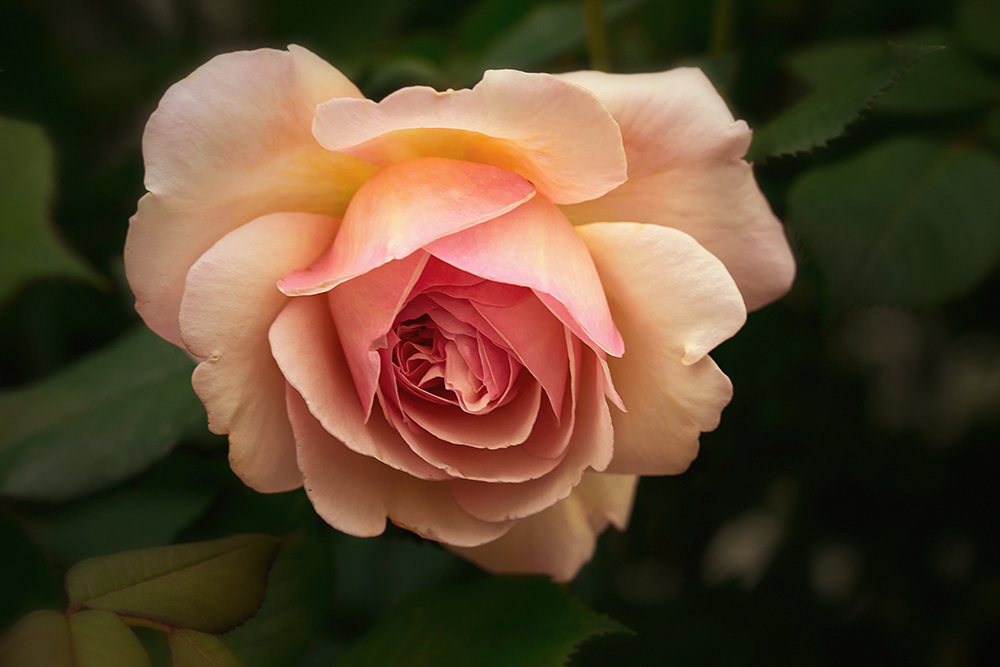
{"x":207,"y":586}
{"x":298,"y":595}
{"x":190,"y":648}
{"x":85,"y":639}
{"x":948,"y":82}
{"x":29,"y":246}
{"x":130,"y":518}
{"x":977,"y":24}
{"x":545,"y":32}
{"x":912,"y":221}
{"x":97,"y":422}
{"x":496,"y":621}
{"x":825,"y":114}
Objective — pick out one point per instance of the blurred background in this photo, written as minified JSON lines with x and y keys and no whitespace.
{"x":846,"y":511}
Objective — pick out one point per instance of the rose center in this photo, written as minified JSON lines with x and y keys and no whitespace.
{"x":444,"y":360}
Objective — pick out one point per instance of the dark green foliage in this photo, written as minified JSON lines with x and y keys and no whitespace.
{"x":492,"y":622}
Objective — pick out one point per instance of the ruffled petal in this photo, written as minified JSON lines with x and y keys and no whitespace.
{"x":668,"y":119}
{"x":535,"y":246}
{"x":403,"y":208}
{"x":673,"y":302}
{"x":561,"y":539}
{"x":686,"y":171}
{"x":229,"y":303}
{"x":307,"y":348}
{"x":228,"y":144}
{"x":558,"y":136}
{"x":355,"y":493}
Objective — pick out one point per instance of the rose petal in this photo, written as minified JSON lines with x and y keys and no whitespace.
{"x":591,"y":446}
{"x":307,"y":348}
{"x":558,"y":136}
{"x":535,"y":246}
{"x":503,"y":427}
{"x":668,"y":119}
{"x":364,"y":309}
{"x":355,"y":493}
{"x":531,"y":331}
{"x":673,"y":301}
{"x":404,"y":207}
{"x":228,"y":306}
{"x":685,"y":171}
{"x":229,"y":144}
{"x":561,"y":539}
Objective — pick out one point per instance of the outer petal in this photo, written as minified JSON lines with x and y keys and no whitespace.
{"x":229,"y":144}
{"x":685,"y":171}
{"x":673,"y":302}
{"x":229,"y":304}
{"x":558,"y":136}
{"x":305,"y":344}
{"x":536,"y":247}
{"x":560,"y":540}
{"x":355,"y":493}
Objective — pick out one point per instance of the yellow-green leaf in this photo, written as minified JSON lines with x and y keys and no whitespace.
{"x":208,"y":586}
{"x":190,"y":648}
{"x":29,"y":246}
{"x":84,"y":639}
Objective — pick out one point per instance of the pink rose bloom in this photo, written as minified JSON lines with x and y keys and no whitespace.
{"x":478,"y":313}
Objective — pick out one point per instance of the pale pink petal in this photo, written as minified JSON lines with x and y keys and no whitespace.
{"x":364,"y":309}
{"x":503,"y":427}
{"x":228,"y":144}
{"x":557,"y":135}
{"x":404,"y":207}
{"x":229,"y":303}
{"x":307,"y":348}
{"x":686,"y":171}
{"x":535,"y":246}
{"x":355,"y":493}
{"x":561,"y":539}
{"x":489,"y":466}
{"x":673,"y":302}
{"x":591,"y":446}
{"x":537,"y":338}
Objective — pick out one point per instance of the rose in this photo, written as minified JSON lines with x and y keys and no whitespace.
{"x":421,"y":309}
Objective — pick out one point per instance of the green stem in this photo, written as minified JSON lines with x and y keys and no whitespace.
{"x":721,"y":35}
{"x":597,"y":35}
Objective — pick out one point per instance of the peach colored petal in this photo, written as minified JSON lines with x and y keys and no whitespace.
{"x":561,"y":539}
{"x":685,"y":171}
{"x":229,"y":303}
{"x":356,"y":494}
{"x":591,"y":446}
{"x":674,"y":302}
{"x":557,"y":135}
{"x":404,"y":207}
{"x":307,"y":348}
{"x":535,"y":246}
{"x":668,"y":119}
{"x":364,"y":309}
{"x":228,"y":144}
